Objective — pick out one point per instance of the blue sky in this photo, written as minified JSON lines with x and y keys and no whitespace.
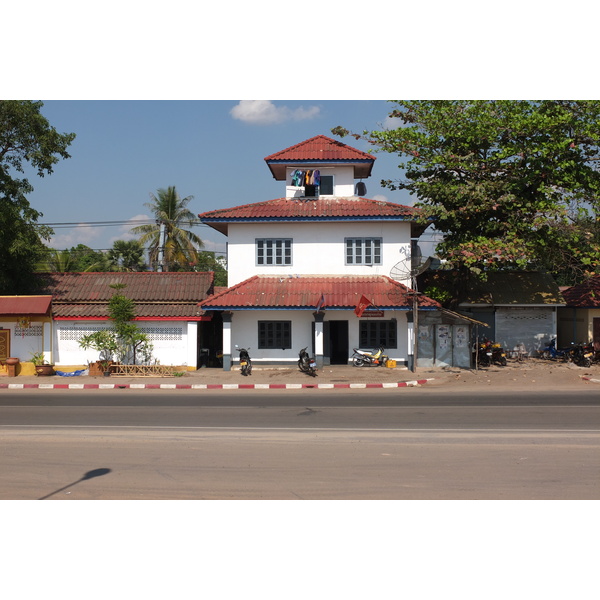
{"x":212,"y":150}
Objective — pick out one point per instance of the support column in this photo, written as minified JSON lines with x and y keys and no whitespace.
{"x":319,"y":338}
{"x":411,"y":341}
{"x":47,"y":342}
{"x":192,"y":345}
{"x":227,"y":317}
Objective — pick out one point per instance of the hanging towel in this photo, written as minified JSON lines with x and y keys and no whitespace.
{"x":317,"y":177}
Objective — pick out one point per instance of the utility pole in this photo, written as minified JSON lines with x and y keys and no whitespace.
{"x":161,"y":247}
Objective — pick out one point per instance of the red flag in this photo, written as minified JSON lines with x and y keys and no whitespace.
{"x":362,"y":305}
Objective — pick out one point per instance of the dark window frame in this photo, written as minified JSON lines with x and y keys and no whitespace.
{"x":378,"y":332}
{"x":274,"y":335}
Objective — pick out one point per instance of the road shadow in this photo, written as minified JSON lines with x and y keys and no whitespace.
{"x":85,"y":477}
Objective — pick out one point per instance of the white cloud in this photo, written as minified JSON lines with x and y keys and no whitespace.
{"x":264,"y":112}
{"x":81,"y":234}
{"x":124,"y":231}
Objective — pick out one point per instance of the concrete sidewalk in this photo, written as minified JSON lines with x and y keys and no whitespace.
{"x":516,"y":376}
{"x":330,"y":377}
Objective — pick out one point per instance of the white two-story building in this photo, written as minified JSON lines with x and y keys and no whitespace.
{"x":301,"y":267}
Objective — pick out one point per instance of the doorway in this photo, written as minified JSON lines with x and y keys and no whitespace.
{"x":338,"y":342}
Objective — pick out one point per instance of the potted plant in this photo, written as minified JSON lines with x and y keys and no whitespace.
{"x":42,"y":367}
{"x":106,"y":343}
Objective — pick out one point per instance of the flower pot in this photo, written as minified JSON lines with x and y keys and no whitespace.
{"x":44,"y":370}
{"x":11,"y":360}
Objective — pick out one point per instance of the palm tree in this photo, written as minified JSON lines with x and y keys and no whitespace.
{"x":127,"y":256}
{"x":181,"y":246}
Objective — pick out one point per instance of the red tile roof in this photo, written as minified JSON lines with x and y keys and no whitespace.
{"x":305,"y":291}
{"x":301,"y":209}
{"x":25,"y":305}
{"x":584,"y":295}
{"x":319,"y":150}
{"x":156,"y":295}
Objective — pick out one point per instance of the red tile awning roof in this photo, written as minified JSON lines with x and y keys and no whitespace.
{"x":583,"y":295}
{"x":324,"y":209}
{"x":169,"y":296}
{"x":320,"y":150}
{"x":304,"y":292}
{"x":25,"y":305}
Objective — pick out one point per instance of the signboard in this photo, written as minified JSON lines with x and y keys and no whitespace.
{"x":373,"y":313}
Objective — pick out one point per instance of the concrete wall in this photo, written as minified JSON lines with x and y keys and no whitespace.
{"x":576,"y":325}
{"x":343,"y":180}
{"x":245,"y":333}
{"x":174,"y":342}
{"x":28,"y":340}
{"x":317,"y":248}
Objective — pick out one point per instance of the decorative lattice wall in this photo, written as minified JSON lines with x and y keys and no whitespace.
{"x":76,"y":332}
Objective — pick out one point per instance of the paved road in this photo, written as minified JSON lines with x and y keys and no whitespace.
{"x":298,"y":445}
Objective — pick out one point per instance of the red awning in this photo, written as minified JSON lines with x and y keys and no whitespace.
{"x":25,"y":305}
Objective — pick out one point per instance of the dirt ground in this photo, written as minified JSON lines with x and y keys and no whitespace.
{"x":525,"y":375}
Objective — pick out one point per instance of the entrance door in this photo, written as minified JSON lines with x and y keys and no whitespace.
{"x":338,"y":342}
{"x":4,"y":344}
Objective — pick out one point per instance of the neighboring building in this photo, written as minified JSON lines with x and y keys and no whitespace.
{"x":579,"y":320}
{"x":166,"y":306}
{"x":519,"y":307}
{"x":299,"y":266}
{"x":25,"y":327}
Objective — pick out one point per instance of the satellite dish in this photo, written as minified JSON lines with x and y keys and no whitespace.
{"x":402,"y":272}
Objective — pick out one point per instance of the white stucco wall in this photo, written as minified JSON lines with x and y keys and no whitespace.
{"x":245,"y":333}
{"x":174,"y":342}
{"x":343,"y":180}
{"x":25,"y":342}
{"x":317,"y":248}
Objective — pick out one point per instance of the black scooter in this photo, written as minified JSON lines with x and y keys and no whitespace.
{"x":245,"y":361}
{"x":306,"y":364}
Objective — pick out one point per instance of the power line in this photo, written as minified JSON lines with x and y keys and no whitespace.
{"x":116,"y":223}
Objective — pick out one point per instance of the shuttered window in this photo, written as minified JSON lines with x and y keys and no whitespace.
{"x":274,"y":335}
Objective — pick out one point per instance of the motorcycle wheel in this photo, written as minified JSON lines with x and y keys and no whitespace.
{"x":357,"y":361}
{"x":303,"y":367}
{"x":502,"y":361}
{"x":585,"y":363}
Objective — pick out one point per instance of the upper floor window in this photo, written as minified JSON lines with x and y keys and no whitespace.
{"x":326,"y":185}
{"x":272,"y":251}
{"x":363,"y":251}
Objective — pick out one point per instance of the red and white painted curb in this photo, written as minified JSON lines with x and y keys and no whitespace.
{"x":207,"y":386}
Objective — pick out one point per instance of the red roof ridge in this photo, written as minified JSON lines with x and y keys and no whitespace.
{"x":327,"y":146}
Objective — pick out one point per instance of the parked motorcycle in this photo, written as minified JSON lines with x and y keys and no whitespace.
{"x":245,"y":361}
{"x":551,"y":352}
{"x":360,"y":358}
{"x":307,"y":364}
{"x":582,"y":354}
{"x":489,"y":353}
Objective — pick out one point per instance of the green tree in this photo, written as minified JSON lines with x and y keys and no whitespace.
{"x":78,"y":259}
{"x":127,"y":255}
{"x":86,"y":259}
{"x":208,"y":261}
{"x":26,"y":140}
{"x":181,"y":246}
{"x":124,"y":340}
{"x":505,"y":182}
